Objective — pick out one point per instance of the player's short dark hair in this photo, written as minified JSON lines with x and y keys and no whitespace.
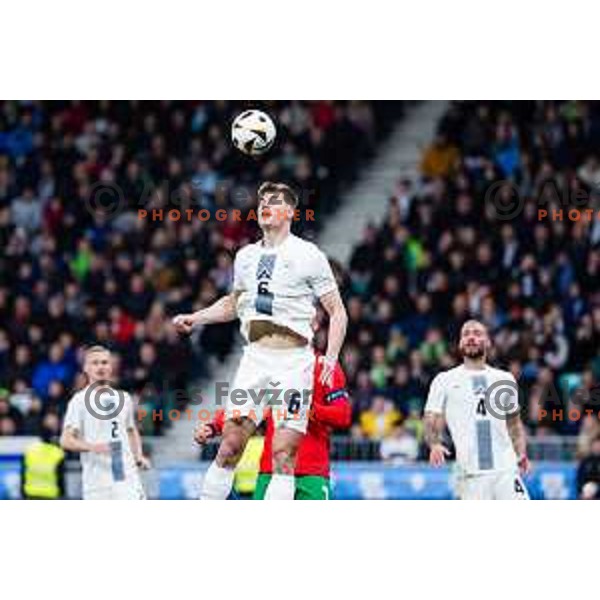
{"x":270,"y":187}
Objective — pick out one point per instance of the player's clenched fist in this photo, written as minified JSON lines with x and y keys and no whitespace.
{"x":203,"y":433}
{"x":437,"y":455}
{"x":183,"y":323}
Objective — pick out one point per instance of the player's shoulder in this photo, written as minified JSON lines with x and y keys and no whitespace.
{"x":500,"y":374}
{"x":307,"y":253}
{"x":78,"y":397}
{"x":449,"y":374}
{"x":247,"y":250}
{"x":303,"y":245}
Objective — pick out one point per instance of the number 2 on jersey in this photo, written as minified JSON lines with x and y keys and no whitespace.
{"x":116,"y":454}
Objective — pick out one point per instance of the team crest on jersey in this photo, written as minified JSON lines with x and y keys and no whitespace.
{"x":479,"y":383}
{"x":266,"y":266}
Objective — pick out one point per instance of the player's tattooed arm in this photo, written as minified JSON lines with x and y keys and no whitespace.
{"x":434,"y":428}
{"x":434,"y":425}
{"x":221,"y":311}
{"x":516,"y":430}
{"x":72,"y":441}
{"x":338,"y":321}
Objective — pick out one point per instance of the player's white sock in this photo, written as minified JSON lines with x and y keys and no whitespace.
{"x":218,"y":482}
{"x":281,"y":487}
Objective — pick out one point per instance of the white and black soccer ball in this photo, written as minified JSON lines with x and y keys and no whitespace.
{"x":253,"y":132}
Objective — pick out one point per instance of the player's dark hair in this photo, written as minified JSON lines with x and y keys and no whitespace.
{"x":288,"y":194}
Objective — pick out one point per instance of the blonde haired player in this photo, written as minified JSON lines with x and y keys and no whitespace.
{"x":276,"y":282}
{"x":480,"y":405}
{"x":100,"y":425}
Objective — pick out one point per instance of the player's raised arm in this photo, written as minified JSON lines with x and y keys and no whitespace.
{"x":222,"y":311}
{"x":338,"y":321}
{"x":434,"y":422}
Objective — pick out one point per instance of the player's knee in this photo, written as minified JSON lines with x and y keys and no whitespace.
{"x":283,"y":461}
{"x":230,"y":451}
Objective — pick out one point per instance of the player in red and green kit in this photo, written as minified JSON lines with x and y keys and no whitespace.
{"x":330,"y":410}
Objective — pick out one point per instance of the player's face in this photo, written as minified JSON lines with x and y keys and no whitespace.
{"x":474,"y":340}
{"x":98,"y":366}
{"x":273,"y":211}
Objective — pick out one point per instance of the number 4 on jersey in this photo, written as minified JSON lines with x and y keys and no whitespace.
{"x":481,"y":408}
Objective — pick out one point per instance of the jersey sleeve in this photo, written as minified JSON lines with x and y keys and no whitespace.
{"x":337,"y":389}
{"x":238,"y":280}
{"x":218,"y":422}
{"x":335,"y":410}
{"x":510,"y":402}
{"x":320,"y":275}
{"x":73,"y":416}
{"x":436,"y":399}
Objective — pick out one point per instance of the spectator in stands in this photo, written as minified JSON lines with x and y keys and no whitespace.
{"x":378,"y":422}
{"x":442,"y":256}
{"x":440,"y":158}
{"x":55,"y":368}
{"x":72,"y":273}
{"x":400,"y":447}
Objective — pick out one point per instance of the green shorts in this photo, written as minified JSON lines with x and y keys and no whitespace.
{"x":308,"y":487}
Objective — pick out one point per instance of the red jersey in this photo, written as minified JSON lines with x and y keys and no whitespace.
{"x":330,"y":410}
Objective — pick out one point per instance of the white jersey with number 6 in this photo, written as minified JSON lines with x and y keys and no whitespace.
{"x":481,"y":438}
{"x":280,"y":284}
{"x":103,"y":474}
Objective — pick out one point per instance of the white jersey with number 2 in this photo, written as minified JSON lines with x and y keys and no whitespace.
{"x":107,"y":470}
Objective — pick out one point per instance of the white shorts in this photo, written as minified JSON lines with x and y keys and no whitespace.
{"x":281,"y":379}
{"x":121,"y":490}
{"x":497,"y":485}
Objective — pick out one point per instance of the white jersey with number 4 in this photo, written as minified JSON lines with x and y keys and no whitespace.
{"x":481,"y":438}
{"x":280,"y":284}
{"x":107,"y":471}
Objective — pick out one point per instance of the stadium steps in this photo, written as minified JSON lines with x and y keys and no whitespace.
{"x":366,"y":201}
{"x":176,"y":445}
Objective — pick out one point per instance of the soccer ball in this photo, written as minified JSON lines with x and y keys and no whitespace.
{"x":253,"y":132}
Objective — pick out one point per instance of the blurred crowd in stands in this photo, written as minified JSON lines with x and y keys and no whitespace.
{"x":445,"y":253}
{"x":78,"y":267}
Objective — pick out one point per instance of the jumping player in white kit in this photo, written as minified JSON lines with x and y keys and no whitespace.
{"x":100,"y":425}
{"x":480,"y":405}
{"x":276,"y":283}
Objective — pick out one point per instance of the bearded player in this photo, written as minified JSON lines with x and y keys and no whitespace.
{"x":480,"y":405}
{"x":276,"y":282}
{"x":330,"y":410}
